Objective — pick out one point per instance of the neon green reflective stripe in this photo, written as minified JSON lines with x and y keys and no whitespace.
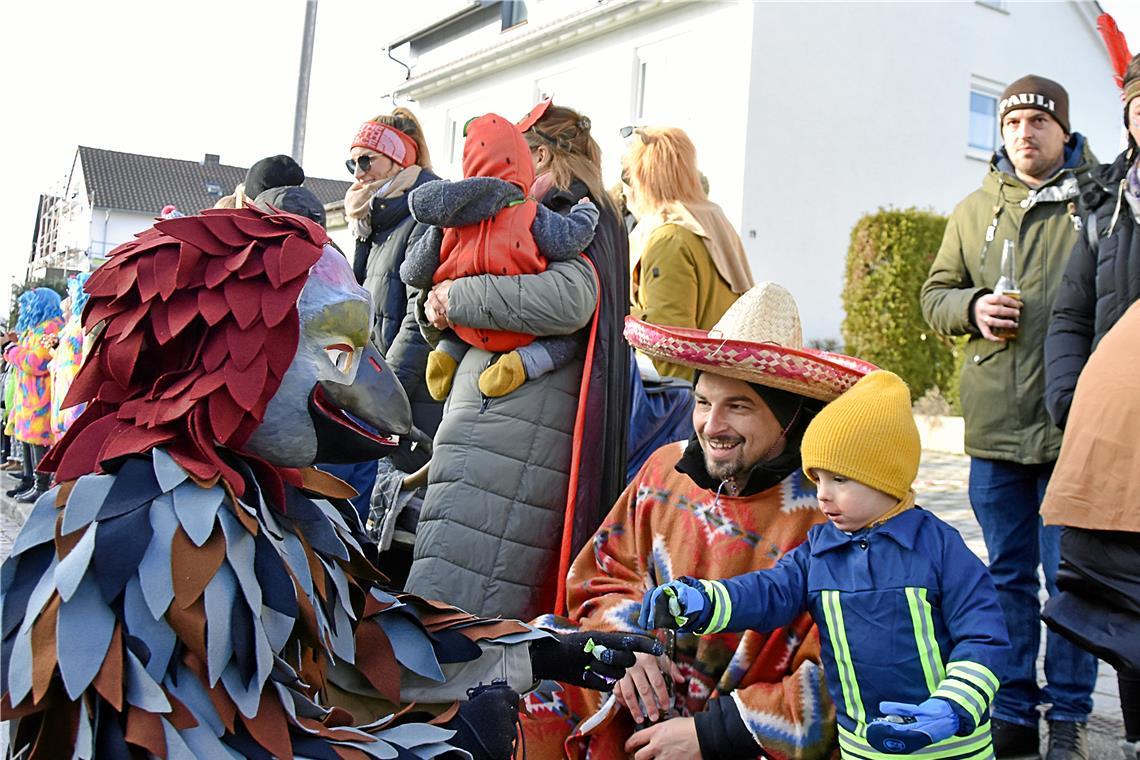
{"x":976,"y":674}
{"x":833,"y":616}
{"x":972,"y":747}
{"x":964,"y":696}
{"x":722,"y":606}
{"x":929,"y":653}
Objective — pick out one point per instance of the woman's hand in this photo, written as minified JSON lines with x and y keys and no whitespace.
{"x":674,"y":738}
{"x":436,"y":307}
{"x":644,"y":684}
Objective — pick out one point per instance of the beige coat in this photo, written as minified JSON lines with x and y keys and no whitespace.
{"x":1096,"y":483}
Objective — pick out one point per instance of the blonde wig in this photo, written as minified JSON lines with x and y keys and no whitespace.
{"x":661,"y":167}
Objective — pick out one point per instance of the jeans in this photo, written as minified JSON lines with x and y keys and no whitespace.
{"x":1006,"y":498}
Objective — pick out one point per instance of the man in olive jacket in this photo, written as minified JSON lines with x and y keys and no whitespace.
{"x":1029,"y":196}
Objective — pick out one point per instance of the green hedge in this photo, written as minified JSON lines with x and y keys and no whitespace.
{"x":887,"y":262}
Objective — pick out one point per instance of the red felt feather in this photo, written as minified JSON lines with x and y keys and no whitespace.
{"x":1116,"y":45}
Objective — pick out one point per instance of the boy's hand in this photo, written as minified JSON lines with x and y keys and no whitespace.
{"x":906,"y":727}
{"x":681,"y":604}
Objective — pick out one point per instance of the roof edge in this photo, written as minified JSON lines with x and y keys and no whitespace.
{"x":589,"y":23}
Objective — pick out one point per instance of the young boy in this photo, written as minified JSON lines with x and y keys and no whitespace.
{"x":911,"y":631}
{"x":487,"y":224}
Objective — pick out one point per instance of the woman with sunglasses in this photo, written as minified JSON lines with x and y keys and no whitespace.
{"x":504,"y":514}
{"x":388,"y":158}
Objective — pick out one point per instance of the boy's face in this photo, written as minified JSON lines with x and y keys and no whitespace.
{"x":849,"y":504}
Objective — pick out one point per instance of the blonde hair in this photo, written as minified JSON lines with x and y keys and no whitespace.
{"x":405,"y":121}
{"x":574,"y":154}
{"x":662,"y":167}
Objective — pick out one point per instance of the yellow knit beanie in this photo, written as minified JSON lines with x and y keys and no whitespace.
{"x":867,"y":434}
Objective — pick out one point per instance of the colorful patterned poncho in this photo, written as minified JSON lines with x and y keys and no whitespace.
{"x":64,"y":366}
{"x":30,"y":417}
{"x":663,"y":526}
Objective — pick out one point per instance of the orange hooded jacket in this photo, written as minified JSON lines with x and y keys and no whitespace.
{"x":501,"y":244}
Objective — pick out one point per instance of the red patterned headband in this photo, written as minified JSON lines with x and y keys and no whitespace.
{"x":387,"y":141}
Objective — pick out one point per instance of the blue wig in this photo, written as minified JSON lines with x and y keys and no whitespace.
{"x":37,"y":305}
{"x":77,"y":294}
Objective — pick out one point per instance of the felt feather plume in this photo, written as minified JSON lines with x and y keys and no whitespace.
{"x":1116,"y":45}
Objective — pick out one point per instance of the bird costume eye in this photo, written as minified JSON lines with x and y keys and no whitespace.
{"x":341,"y":355}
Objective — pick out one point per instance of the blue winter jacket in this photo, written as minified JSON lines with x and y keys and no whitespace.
{"x":905,"y":611}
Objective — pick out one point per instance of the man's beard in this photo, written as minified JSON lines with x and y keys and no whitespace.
{"x":726,"y":470}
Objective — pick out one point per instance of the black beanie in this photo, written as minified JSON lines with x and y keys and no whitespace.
{"x":295,"y":200}
{"x":275,"y":171}
{"x":782,"y":404}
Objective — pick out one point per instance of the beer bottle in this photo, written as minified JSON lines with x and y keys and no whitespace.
{"x":1007,"y":285}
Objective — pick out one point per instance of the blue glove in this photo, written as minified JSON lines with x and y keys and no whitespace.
{"x":681,"y":604}
{"x":907,"y":728}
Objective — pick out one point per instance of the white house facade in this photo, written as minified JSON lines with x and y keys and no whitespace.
{"x":805,"y":115}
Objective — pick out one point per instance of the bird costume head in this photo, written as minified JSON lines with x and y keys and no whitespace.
{"x":234,"y":330}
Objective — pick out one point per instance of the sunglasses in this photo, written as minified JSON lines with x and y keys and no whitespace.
{"x":627,"y":132}
{"x":364,"y":163}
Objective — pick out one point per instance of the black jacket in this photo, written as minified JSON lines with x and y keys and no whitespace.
{"x":396,"y":332}
{"x":1101,"y":281}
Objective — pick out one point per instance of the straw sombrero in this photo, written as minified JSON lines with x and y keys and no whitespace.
{"x":758,"y":340}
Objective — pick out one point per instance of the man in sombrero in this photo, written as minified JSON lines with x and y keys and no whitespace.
{"x":731,"y":499}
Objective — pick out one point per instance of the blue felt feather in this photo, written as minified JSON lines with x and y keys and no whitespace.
{"x":219,"y":613}
{"x":240,"y":548}
{"x":158,"y":636}
{"x":276,"y":585}
{"x":155,"y":570}
{"x":120,"y":546}
{"x":410,"y":644}
{"x":167,"y":472}
{"x":19,"y":577}
{"x":39,"y":527}
{"x":134,"y":486}
{"x":85,"y":501}
{"x":176,"y":746}
{"x":70,"y":571}
{"x":141,"y":689}
{"x":83,"y":634}
{"x":196,"y":508}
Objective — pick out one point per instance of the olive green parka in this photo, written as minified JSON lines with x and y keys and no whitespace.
{"x":1003,"y":384}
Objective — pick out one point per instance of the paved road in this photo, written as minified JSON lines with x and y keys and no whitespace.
{"x":941,"y":488}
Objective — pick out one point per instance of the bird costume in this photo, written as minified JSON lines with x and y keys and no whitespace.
{"x":191,"y":587}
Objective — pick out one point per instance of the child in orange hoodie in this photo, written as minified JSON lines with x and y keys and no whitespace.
{"x":487,"y":223}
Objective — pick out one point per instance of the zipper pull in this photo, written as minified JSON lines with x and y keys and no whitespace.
{"x":483,"y":404}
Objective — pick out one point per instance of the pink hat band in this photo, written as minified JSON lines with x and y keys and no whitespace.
{"x":387,"y":141}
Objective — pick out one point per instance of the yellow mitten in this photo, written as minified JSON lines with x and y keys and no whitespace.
{"x":503,"y":376}
{"x":440,"y":374}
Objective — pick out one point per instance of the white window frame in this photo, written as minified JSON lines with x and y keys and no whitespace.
{"x":990,"y":88}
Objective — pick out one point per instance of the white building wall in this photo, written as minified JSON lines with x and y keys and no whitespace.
{"x":112,"y":227}
{"x":857,"y":106}
{"x":696,"y":74}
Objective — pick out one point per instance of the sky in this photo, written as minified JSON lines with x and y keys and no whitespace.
{"x":159,"y":79}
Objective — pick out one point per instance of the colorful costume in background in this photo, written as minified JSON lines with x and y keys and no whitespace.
{"x":66,"y":358}
{"x":31,"y":407}
{"x":192,"y":588}
{"x":30,"y":417}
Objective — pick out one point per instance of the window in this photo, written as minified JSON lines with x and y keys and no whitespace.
{"x":514,"y":13}
{"x":983,"y":121}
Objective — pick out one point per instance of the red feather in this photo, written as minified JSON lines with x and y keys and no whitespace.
{"x":1116,"y":45}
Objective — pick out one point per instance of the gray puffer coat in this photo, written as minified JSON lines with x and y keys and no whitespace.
{"x":491,"y":524}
